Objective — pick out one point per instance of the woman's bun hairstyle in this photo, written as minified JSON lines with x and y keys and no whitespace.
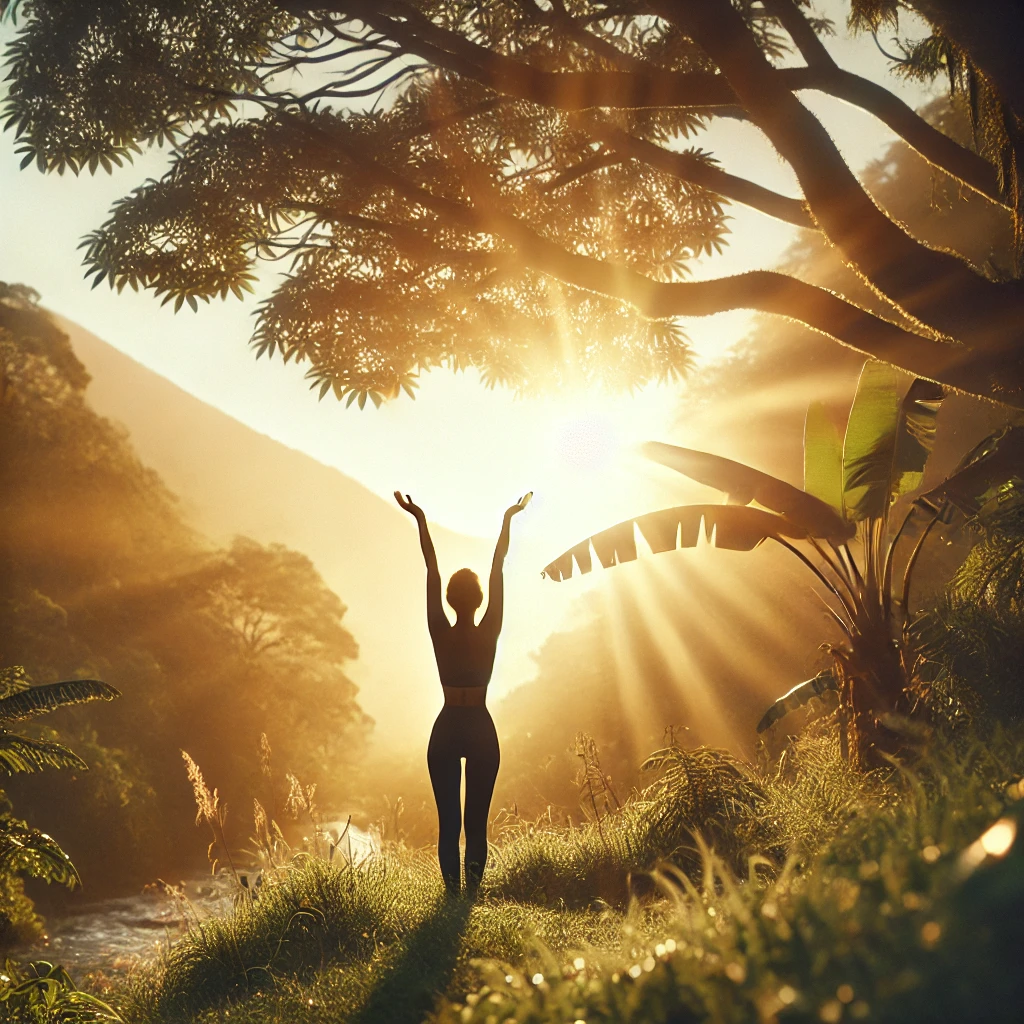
{"x":464,"y":593}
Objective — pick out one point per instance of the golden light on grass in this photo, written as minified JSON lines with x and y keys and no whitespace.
{"x":993,"y":842}
{"x":999,"y":838}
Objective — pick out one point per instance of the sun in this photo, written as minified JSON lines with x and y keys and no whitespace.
{"x":588,"y":442}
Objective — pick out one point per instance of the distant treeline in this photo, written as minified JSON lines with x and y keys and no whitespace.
{"x":101,"y":576}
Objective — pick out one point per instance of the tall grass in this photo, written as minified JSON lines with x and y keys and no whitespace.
{"x":863,"y":908}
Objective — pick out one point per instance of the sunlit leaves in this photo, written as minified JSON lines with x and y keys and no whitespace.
{"x":823,"y":458}
{"x":38,"y":700}
{"x":91,"y":80}
{"x":744,"y":485}
{"x":26,"y":850}
{"x":730,"y":527}
{"x":870,"y":442}
{"x":382,"y":284}
{"x":19,"y":754}
{"x":888,"y":440}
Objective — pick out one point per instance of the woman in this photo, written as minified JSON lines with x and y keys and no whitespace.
{"x":465,"y":658}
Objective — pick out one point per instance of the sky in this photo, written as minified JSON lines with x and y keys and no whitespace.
{"x":463,"y":451}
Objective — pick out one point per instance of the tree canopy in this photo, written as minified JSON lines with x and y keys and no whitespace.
{"x":513,"y":186}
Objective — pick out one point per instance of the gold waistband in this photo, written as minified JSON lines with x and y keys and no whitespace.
{"x":465,"y":696}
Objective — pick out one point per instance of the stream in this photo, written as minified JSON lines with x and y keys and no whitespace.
{"x":110,"y":936}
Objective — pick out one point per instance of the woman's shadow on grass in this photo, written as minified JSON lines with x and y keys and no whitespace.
{"x":421,"y":970}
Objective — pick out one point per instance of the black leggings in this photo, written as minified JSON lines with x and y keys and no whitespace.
{"x":462,"y":732}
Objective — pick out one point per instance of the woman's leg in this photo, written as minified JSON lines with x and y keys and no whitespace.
{"x":481,"y":771}
{"x":445,"y":769}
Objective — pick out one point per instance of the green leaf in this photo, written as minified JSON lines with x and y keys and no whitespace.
{"x":38,"y":700}
{"x":743,"y":485}
{"x":732,"y":527}
{"x":997,"y":460}
{"x":870,"y":444}
{"x":797,"y":697}
{"x":823,"y":458}
{"x":28,"y":851}
{"x":916,"y":438}
{"x":887,"y":441}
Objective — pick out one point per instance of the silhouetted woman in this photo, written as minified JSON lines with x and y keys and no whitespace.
{"x":465,"y":657}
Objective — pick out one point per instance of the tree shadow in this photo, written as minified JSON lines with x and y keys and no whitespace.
{"x":410,"y":985}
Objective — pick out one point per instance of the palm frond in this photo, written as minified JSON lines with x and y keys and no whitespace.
{"x":733,"y":527}
{"x":797,"y":697}
{"x":38,"y":700}
{"x":743,"y":485}
{"x":21,"y":754}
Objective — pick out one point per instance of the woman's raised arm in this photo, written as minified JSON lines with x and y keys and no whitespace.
{"x":436,"y":618}
{"x":496,"y":583}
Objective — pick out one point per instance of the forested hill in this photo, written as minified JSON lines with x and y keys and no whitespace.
{"x":233,"y":480}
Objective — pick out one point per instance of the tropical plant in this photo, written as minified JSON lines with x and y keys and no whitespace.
{"x":25,"y":850}
{"x":850,"y":490}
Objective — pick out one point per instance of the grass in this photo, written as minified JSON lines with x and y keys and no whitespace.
{"x":845,"y":897}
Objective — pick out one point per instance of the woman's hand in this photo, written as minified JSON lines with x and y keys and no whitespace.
{"x":410,"y":506}
{"x":519,"y":505}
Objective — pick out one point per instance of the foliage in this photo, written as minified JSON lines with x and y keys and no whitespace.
{"x":882,"y":458}
{"x":506,"y":186}
{"x":996,"y":122}
{"x":975,"y":638}
{"x":40,"y":993}
{"x":25,"y":850}
{"x":875,"y":903}
{"x":212,"y":647}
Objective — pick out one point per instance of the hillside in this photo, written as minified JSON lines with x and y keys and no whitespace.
{"x":233,"y":480}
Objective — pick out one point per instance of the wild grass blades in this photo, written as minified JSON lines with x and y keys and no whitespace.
{"x":210,"y":809}
{"x":861,"y":910}
{"x":595,"y":786}
{"x":880,"y":923}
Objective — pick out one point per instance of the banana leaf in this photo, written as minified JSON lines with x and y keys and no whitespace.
{"x":38,"y":700}
{"x":823,"y":458}
{"x":743,"y":485}
{"x":797,"y":697}
{"x":733,"y":527}
{"x":21,"y":754}
{"x":999,"y":459}
{"x":919,"y":417}
{"x":888,"y":441}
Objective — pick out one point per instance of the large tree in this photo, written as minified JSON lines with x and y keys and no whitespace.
{"x":508,"y":184}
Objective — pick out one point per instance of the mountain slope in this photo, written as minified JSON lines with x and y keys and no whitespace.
{"x":233,"y":480}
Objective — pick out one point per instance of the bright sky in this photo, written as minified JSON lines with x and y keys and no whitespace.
{"x":569,"y":449}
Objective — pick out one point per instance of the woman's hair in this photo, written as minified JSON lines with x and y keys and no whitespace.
{"x":464,"y":593}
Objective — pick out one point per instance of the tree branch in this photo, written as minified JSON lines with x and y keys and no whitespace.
{"x":792,"y":19}
{"x":935,"y":288}
{"x":689,"y":168}
{"x":654,"y":87}
{"x":766,"y":291}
